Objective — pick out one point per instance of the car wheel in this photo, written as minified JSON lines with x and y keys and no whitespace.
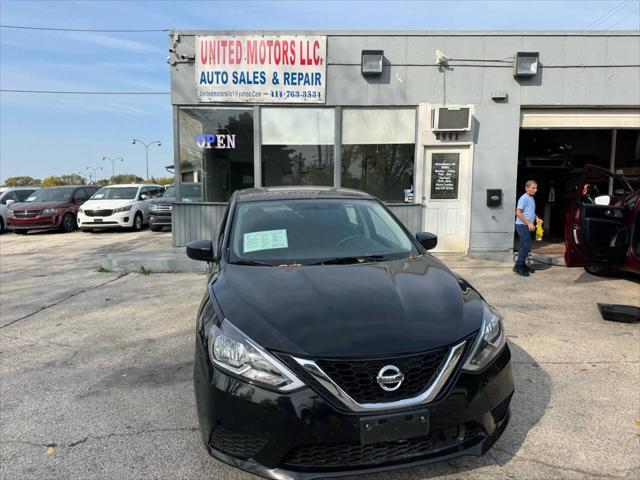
{"x":137,"y":222}
{"x":68,"y":223}
{"x":1,"y":225}
{"x":599,"y":270}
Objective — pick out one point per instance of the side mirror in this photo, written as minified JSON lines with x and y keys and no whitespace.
{"x":602,"y":200}
{"x":427,"y":240}
{"x":10,"y":201}
{"x":201,"y":250}
{"x":144,"y":196}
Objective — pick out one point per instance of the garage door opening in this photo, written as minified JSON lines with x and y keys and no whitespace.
{"x":555,"y":158}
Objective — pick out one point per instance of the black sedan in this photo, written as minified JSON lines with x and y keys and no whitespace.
{"x":330,"y":342}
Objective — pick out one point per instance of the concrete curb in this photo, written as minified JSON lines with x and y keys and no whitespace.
{"x":174,"y":262}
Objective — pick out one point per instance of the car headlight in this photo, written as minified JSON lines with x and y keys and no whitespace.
{"x":490,"y":341}
{"x":10,"y":212}
{"x":49,"y":211}
{"x":153,"y":208}
{"x":232,"y":350}
{"x":122,"y":209}
{"x":80,"y":210}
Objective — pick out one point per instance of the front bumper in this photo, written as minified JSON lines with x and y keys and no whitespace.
{"x":302,"y":436}
{"x":41,"y":222}
{"x":116,"y":220}
{"x":160,"y":219}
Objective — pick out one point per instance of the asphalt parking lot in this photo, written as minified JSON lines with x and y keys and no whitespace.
{"x":95,"y":369}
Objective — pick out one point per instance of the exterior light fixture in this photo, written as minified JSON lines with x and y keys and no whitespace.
{"x":525,"y":64}
{"x":372,"y":62}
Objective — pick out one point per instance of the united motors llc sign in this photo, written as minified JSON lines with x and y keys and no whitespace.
{"x":261,"y":69}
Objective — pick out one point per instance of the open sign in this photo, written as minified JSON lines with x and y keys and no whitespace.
{"x":209,"y":140}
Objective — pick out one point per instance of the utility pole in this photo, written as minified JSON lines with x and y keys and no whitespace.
{"x":93,"y":173}
{"x":146,"y":151}
{"x":113,"y":163}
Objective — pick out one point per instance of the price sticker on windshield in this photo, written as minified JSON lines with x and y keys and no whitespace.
{"x":265,"y":240}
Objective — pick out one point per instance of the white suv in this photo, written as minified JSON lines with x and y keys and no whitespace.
{"x":124,"y":206}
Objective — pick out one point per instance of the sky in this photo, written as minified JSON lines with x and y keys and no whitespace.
{"x":55,"y":134}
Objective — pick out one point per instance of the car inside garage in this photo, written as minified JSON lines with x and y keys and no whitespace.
{"x":555,"y":145}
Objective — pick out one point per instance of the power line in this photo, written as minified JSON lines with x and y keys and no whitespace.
{"x":96,"y":30}
{"x":624,"y":18}
{"x":74,"y":92}
{"x":608,"y":14}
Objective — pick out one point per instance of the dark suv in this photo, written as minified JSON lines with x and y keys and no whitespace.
{"x":160,"y":208}
{"x":330,"y":342}
{"x":52,"y":208}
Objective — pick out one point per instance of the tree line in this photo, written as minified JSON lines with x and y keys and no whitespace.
{"x":76,"y":179}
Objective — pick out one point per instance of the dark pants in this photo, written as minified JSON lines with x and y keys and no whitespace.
{"x":525,"y":243}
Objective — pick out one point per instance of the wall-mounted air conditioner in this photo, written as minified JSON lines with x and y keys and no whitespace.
{"x":451,"y":119}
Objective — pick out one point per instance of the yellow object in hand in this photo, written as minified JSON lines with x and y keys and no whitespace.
{"x":539,"y":231}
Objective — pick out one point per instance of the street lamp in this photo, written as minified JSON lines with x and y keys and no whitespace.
{"x":146,"y":150}
{"x":113,"y":163}
{"x":93,"y":173}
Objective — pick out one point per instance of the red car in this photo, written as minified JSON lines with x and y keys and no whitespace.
{"x":52,"y":208}
{"x":602,"y":224}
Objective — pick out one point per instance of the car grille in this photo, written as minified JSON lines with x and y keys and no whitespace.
{"x":236,"y":444}
{"x":98,"y":213}
{"x":163,"y":208}
{"x":355,"y":455}
{"x":358,"y":377}
{"x":26,"y":214}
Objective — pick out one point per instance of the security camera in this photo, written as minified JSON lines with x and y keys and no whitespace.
{"x":133,"y":141}
{"x":159,"y":144}
{"x":441,"y":58}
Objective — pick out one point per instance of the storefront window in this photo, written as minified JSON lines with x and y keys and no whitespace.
{"x":378,"y":150}
{"x":216,"y":150}
{"x":297,"y":146}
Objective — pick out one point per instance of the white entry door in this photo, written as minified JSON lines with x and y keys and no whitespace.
{"x":447,"y":198}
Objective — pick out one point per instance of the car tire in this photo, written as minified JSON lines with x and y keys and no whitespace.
{"x":1,"y":225}
{"x":21,"y":232}
{"x":68,"y":223}
{"x":599,"y":270}
{"x":138,"y":222}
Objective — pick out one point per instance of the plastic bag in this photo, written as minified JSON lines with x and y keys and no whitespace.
{"x":539,"y":231}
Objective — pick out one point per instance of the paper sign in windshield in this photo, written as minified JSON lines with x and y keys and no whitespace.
{"x":266,"y":240}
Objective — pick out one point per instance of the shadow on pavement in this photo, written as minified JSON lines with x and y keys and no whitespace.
{"x":587,"y":277}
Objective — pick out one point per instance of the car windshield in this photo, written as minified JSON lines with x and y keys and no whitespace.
{"x":313,"y":231}
{"x":115,"y":193}
{"x":51,"y":195}
{"x":190,"y":191}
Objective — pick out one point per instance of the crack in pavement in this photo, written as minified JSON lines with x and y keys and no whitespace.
{"x":37,"y":342}
{"x":103,"y":437}
{"x":597,"y":475}
{"x":57,"y":302}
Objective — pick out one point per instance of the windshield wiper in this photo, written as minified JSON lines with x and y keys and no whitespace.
{"x":348,"y":260}
{"x":252,"y":262}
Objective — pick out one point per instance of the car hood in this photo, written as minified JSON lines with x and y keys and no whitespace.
{"x":368,"y":309}
{"x":106,"y":204}
{"x":22,"y":206}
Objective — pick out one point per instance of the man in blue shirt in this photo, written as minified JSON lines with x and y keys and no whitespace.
{"x":525,"y":218}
